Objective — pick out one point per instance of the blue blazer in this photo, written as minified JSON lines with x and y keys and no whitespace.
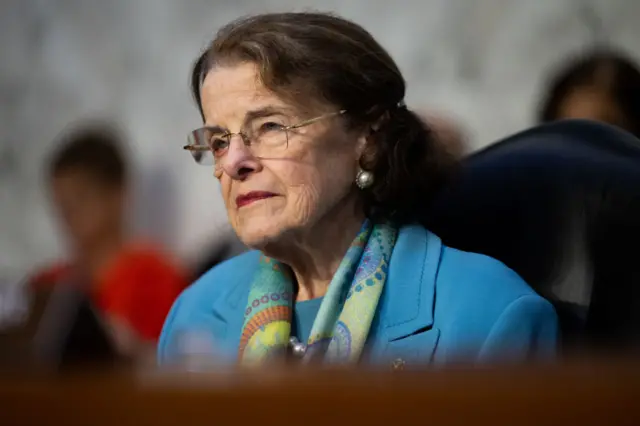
{"x":439,"y":305}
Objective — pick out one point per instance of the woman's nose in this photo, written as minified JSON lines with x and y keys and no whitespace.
{"x":239,"y":162}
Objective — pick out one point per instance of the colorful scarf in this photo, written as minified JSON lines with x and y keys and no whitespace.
{"x":342,"y":325}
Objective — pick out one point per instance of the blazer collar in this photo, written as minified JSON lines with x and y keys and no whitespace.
{"x":240,"y":271}
{"x":408,"y":302}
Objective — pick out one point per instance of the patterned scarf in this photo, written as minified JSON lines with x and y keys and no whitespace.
{"x":342,"y":325}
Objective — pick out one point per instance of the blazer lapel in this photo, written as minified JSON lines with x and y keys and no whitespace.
{"x":228,"y":310}
{"x":406,"y":314}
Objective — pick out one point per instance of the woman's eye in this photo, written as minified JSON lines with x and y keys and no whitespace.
{"x":270,"y":126}
{"x":218,"y":144}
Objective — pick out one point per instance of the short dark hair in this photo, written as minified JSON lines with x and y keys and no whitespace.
{"x":94,"y":149}
{"x":303,"y":55}
{"x":609,"y":71}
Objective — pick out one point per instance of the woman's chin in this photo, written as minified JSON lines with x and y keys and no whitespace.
{"x":257,"y":235}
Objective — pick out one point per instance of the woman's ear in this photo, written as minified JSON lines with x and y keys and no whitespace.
{"x":361,"y":144}
{"x":375,"y":127}
{"x":367,"y":143}
{"x":366,"y":150}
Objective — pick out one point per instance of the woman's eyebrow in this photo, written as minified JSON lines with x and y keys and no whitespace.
{"x":266,"y":111}
{"x":251,"y":115}
{"x":216,"y":128}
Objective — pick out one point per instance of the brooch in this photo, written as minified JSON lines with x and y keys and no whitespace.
{"x":398,"y":364}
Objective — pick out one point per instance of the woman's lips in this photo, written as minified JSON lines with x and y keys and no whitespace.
{"x":250,"y":197}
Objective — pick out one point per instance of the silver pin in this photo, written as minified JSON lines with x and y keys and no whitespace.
{"x":398,"y":364}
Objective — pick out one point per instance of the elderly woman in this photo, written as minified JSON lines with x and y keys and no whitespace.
{"x":326,"y":173}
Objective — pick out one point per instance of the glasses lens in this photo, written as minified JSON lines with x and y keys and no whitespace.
{"x":269,"y":140}
{"x":200,"y":150}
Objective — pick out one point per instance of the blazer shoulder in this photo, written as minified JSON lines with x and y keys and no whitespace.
{"x":481,"y":286}
{"x":474,"y":273}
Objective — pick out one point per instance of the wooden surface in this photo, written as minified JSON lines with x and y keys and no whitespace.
{"x":588,"y":394}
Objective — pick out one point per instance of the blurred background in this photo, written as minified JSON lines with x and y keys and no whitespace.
{"x":482,"y":65}
{"x":477,"y":71}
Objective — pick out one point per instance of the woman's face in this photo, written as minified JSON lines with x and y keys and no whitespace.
{"x":285,"y":193}
{"x":89,"y":211}
{"x":590,"y":104}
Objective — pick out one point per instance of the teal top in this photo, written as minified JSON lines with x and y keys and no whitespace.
{"x":304,"y":314}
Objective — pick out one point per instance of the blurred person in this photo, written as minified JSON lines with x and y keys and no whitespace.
{"x":325,"y":174}
{"x":601,"y":85}
{"x":131,"y":283}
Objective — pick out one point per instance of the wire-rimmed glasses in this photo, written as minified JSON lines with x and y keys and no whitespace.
{"x":265,"y":138}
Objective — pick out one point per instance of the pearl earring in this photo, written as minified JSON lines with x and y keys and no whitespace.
{"x":364,"y":179}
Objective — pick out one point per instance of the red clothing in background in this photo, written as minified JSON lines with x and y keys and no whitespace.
{"x":138,"y":287}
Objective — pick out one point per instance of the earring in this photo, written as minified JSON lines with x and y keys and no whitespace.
{"x":364,"y":179}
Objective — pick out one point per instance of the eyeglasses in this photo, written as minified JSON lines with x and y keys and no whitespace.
{"x":265,"y":138}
